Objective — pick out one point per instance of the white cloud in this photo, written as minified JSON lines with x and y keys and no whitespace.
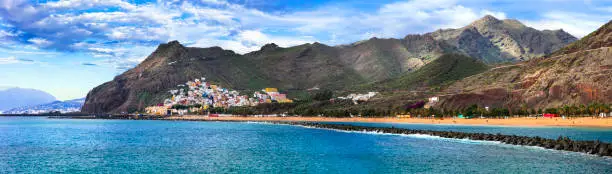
{"x":85,"y":4}
{"x":7,"y":34}
{"x":114,"y":28}
{"x":577,"y":24}
{"x":9,"y":60}
{"x":252,"y":40}
{"x":40,"y":42}
{"x":101,"y":50}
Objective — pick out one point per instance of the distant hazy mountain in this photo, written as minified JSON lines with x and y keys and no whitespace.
{"x":17,"y":97}
{"x":61,"y":106}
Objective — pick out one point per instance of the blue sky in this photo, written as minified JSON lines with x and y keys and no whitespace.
{"x":68,"y":47}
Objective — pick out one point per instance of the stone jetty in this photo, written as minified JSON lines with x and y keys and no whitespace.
{"x":562,"y":143}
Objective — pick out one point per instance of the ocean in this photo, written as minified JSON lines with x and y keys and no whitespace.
{"x":41,"y":145}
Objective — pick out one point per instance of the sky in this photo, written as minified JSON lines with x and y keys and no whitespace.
{"x":68,"y":47}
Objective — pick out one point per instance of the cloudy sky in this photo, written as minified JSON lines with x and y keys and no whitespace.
{"x":68,"y":47}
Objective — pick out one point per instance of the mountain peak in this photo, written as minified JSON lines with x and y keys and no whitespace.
{"x":174,"y":42}
{"x":269,"y":47}
{"x":488,"y":19}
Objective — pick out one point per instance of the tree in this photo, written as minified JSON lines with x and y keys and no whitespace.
{"x":321,"y":95}
{"x":540,"y":111}
{"x":564,"y":110}
{"x":551,"y":110}
{"x":583,"y":110}
{"x":470,"y":111}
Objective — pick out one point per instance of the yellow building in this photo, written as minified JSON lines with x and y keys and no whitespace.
{"x":271,"y":90}
{"x":156,"y":110}
{"x":285,"y":101}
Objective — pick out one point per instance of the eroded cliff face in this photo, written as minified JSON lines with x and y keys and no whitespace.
{"x":493,"y":40}
{"x":580,"y":76}
{"x":576,"y":78}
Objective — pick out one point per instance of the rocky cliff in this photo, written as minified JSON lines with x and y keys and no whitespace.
{"x":580,"y":73}
{"x":494,"y":41}
{"x":170,"y":65}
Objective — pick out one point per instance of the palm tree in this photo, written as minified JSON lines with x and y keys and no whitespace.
{"x":583,"y":110}
{"x":562,"y":110}
{"x":592,"y":108}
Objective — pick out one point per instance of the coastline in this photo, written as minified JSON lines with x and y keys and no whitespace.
{"x":522,"y":121}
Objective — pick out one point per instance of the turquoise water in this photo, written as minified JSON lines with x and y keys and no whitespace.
{"x":575,"y":133}
{"x":40,"y":145}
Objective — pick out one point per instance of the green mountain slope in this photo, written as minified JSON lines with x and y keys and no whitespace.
{"x":445,"y":69}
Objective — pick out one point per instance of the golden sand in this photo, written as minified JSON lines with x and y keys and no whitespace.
{"x":522,"y":121}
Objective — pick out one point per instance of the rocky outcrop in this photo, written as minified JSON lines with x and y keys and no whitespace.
{"x":170,"y":65}
{"x":493,"y":40}
{"x":488,"y":39}
{"x":575,"y":75}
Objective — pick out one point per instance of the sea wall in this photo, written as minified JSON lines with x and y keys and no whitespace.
{"x":562,"y":143}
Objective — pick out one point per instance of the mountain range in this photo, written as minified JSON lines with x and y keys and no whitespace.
{"x":578,"y":74}
{"x":17,"y":97}
{"x":374,"y":63}
{"x":59,"y":106}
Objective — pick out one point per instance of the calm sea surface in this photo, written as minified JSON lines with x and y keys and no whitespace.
{"x":41,"y":145}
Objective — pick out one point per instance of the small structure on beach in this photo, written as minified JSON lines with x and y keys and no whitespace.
{"x":403,"y":116}
{"x":549,"y":115}
{"x":464,"y":116}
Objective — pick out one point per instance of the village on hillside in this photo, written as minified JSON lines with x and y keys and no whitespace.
{"x":198,"y":96}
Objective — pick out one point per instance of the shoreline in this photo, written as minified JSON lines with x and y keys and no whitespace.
{"x":588,"y":122}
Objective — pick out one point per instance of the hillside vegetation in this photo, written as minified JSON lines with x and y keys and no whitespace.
{"x":445,"y":69}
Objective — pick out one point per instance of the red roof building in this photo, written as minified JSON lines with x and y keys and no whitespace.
{"x":550,"y":115}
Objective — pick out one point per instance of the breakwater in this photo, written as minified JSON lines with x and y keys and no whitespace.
{"x":562,"y":143}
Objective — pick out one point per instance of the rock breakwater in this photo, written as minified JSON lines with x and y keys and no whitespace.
{"x":562,"y":143}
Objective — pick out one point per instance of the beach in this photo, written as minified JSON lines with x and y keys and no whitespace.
{"x":520,"y":121}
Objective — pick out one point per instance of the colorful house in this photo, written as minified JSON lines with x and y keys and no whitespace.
{"x":269,"y":90}
{"x":156,"y":110}
{"x":548,"y":115}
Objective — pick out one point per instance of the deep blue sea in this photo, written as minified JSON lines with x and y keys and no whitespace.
{"x":41,"y":145}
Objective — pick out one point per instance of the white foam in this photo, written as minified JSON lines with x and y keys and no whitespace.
{"x":468,"y":141}
{"x":257,"y":122}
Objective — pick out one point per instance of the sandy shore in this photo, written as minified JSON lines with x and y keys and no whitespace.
{"x":575,"y":122}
